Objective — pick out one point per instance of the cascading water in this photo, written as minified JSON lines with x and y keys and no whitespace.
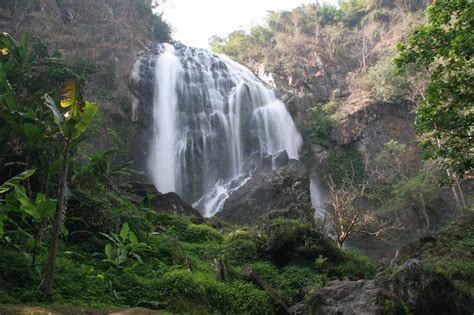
{"x":213,"y":121}
{"x":168,"y":73}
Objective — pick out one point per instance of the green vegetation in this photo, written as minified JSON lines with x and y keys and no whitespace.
{"x":385,"y":83}
{"x":346,"y":165}
{"x":320,"y":123}
{"x":443,"y":47}
{"x":111,"y":249}
{"x":452,"y":257}
{"x":68,"y":211}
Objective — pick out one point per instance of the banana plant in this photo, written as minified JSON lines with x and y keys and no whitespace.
{"x":72,"y":122}
{"x":124,"y":246}
{"x":6,"y":187}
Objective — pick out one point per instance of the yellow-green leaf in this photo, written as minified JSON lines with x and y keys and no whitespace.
{"x":108,"y":251}
{"x":72,"y":97}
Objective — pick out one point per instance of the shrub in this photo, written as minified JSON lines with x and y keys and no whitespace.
{"x":385,"y":84}
{"x":320,"y":123}
{"x":89,"y":212}
{"x":201,"y":293}
{"x":242,"y":251}
{"x":201,"y":233}
{"x":15,"y":269}
{"x":354,"y":264}
{"x":171,"y":223}
{"x":293,"y":281}
{"x":286,"y":240}
{"x":342,"y":165}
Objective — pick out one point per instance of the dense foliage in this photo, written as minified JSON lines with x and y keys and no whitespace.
{"x":445,"y":118}
{"x":111,"y":248}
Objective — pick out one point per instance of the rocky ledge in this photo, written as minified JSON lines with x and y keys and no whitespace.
{"x":272,"y":191}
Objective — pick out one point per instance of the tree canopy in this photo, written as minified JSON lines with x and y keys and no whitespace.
{"x":443,"y":47}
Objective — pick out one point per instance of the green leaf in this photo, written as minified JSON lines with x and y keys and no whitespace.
{"x":46,"y":207}
{"x":124,"y":231}
{"x":121,"y":256}
{"x":108,"y":251}
{"x":89,"y":113}
{"x":58,"y":118}
{"x":138,"y":257}
{"x":133,"y":238}
{"x":12,"y":182}
{"x":64,"y":230}
{"x":111,"y":238}
{"x":26,"y":205}
{"x":24,"y":46}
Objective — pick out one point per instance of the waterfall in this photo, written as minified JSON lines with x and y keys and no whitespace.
{"x":213,"y":121}
{"x":168,"y":75}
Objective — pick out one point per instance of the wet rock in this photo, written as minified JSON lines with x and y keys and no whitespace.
{"x":172,"y":203}
{"x":280,"y":159}
{"x":285,"y":189}
{"x":167,"y":203}
{"x":347,"y":298}
{"x":427,"y":292}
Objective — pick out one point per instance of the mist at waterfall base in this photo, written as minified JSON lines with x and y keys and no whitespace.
{"x":214,"y":120}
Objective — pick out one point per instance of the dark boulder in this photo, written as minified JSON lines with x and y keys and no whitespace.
{"x":285,"y":189}
{"x":168,"y":203}
{"x":427,"y":292}
{"x":347,"y":298}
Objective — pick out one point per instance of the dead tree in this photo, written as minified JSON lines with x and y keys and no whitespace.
{"x":347,"y":213}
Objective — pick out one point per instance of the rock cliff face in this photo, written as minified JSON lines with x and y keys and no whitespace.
{"x":281,"y":192}
{"x":371,"y":123}
{"x":104,"y":37}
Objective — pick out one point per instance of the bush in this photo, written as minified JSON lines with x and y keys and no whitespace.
{"x":201,"y":233}
{"x":342,"y":165}
{"x":89,"y":212}
{"x":15,"y":270}
{"x":320,"y":123}
{"x":294,"y":280}
{"x":354,"y":264}
{"x":242,"y":251}
{"x":385,"y":84}
{"x":171,"y":223}
{"x":199,"y":293}
{"x":291,"y":240}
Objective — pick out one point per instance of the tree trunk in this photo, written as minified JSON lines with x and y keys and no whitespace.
{"x":423,"y":211}
{"x":53,"y":246}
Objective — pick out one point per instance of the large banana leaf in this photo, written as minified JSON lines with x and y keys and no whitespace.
{"x":72,"y":98}
{"x":58,"y":118}
{"x":88,"y":114}
{"x":12,"y":182}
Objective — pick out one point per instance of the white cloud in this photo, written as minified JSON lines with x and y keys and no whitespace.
{"x":195,"y":21}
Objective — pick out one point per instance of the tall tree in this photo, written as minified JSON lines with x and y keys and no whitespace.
{"x":445,"y":118}
{"x":71,"y":125}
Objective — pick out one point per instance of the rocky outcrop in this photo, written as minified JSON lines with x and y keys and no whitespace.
{"x":173,"y":204}
{"x":281,"y":192}
{"x":370,"y":124}
{"x":167,"y":203}
{"x":425,"y":291}
{"x":347,"y":298}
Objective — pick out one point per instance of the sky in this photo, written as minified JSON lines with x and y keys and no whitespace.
{"x":195,"y":21}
